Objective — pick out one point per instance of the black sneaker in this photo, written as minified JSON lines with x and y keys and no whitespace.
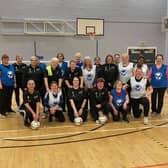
{"x":50,"y":118}
{"x":26,"y":123}
{"x":126,"y":119}
{"x":11,"y":111}
{"x":23,"y":113}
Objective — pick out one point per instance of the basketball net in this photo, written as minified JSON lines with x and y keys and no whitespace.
{"x":91,"y":35}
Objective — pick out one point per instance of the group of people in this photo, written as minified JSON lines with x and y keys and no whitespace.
{"x":116,"y":87}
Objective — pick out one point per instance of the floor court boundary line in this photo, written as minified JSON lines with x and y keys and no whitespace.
{"x":78,"y":141}
{"x":79,"y":132}
{"x":73,"y":126}
{"x":152,"y":166}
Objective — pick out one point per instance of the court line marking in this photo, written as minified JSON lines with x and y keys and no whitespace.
{"x":152,"y":166}
{"x":79,"y":141}
{"x":73,"y":126}
{"x":78,"y":132}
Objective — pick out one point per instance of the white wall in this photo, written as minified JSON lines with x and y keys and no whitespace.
{"x":129,"y":22}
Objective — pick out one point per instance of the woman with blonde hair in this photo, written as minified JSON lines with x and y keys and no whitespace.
{"x":53,"y":73}
{"x":118,"y":102}
{"x":89,"y":73}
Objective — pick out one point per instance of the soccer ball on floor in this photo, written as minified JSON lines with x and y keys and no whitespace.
{"x":102,"y":119}
{"x":35,"y":125}
{"x":78,"y":121}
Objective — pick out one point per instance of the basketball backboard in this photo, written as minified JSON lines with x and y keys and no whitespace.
{"x":85,"y":26}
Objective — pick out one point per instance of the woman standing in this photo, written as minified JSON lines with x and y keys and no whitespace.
{"x":20,"y":69}
{"x":7,"y":84}
{"x":89,"y":73}
{"x":110,"y":72}
{"x":141,"y":64}
{"x":159,"y":81}
{"x":53,"y":73}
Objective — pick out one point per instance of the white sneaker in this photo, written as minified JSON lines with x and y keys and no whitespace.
{"x":97,"y":122}
{"x":146,"y":121}
{"x":2,"y":116}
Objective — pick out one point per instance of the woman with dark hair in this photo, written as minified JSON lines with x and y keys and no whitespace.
{"x":99,"y":96}
{"x":141,"y":64}
{"x":30,"y":109}
{"x":158,"y":74}
{"x":71,"y":72}
{"x":77,"y":105}
{"x":110,"y":72}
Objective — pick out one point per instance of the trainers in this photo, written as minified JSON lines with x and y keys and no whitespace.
{"x":23,"y":113}
{"x":11,"y":111}
{"x":44,"y":116}
{"x":97,"y":122}
{"x":146,"y":121}
{"x":50,"y":118}
{"x":2,"y":116}
{"x":26,"y":123}
{"x":126,"y":119}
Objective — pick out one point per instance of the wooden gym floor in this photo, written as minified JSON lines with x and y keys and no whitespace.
{"x":63,"y":145}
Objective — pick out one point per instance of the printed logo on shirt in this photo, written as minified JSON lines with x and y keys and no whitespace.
{"x":158,"y":76}
{"x":138,"y":87}
{"x":123,"y":72}
{"x":89,"y":77}
{"x":10,"y":74}
{"x":119,"y":102}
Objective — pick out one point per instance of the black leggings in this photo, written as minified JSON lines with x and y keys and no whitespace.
{"x":59,"y":115}
{"x":71,"y":113}
{"x":144,"y":101}
{"x":157,"y":99}
{"x":5,"y":99}
{"x":120,"y":110}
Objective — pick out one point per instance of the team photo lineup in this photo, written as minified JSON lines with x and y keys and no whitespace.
{"x":107,"y":90}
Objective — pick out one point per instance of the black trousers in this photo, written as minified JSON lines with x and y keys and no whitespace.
{"x":157,"y":99}
{"x":120,"y":110}
{"x":17,"y":94}
{"x":59,"y":115}
{"x":28,"y":115}
{"x":144,"y":101}
{"x":71,"y":113}
{"x":96,"y":110}
{"x":5,"y":99}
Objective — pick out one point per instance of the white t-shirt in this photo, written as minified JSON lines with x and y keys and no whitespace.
{"x":138,"y":88}
{"x":89,"y":76}
{"x":125,"y":72}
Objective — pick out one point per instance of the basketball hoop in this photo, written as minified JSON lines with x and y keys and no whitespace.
{"x":91,"y":35}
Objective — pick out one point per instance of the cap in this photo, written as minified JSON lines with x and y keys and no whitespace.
{"x":100,"y":80}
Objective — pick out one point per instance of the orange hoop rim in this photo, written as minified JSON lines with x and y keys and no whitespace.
{"x":91,"y":33}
